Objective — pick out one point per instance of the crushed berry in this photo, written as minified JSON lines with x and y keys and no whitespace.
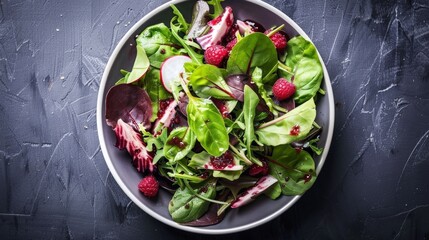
{"x":295,"y":130}
{"x":226,"y":160}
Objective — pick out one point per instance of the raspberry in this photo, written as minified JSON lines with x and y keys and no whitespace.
{"x":257,"y":171}
{"x":279,"y":40}
{"x":149,"y":186}
{"x":215,"y":55}
{"x":283,"y":89}
{"x":231,"y":44}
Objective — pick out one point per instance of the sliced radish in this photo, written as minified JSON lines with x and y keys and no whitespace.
{"x":171,"y":69}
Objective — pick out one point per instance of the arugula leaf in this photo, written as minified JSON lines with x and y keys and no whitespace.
{"x":313,"y":145}
{"x":257,"y":79}
{"x":158,"y":43}
{"x":180,"y":17}
{"x":295,"y":170}
{"x":207,"y":123}
{"x":254,"y":50}
{"x":175,"y":29}
{"x":251,"y":100}
{"x":280,"y":130}
{"x":207,"y":81}
{"x":218,"y":9}
{"x":179,"y":143}
{"x":185,"y":206}
{"x":303,"y":59}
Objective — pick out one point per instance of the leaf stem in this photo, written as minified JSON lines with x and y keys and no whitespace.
{"x":201,"y":196}
{"x":275,"y":30}
{"x":239,"y":154}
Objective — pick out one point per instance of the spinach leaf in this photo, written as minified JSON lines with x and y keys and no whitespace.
{"x":254,"y":50}
{"x":251,"y":100}
{"x":179,"y":143}
{"x":152,"y":84}
{"x":140,"y":67}
{"x":185,"y":206}
{"x":302,"y":58}
{"x":158,"y":43}
{"x":207,"y":81}
{"x":290,"y":127}
{"x":207,"y":123}
{"x":295,"y":170}
{"x":273,"y":191}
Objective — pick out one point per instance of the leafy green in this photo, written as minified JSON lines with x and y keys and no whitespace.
{"x":313,"y":145}
{"x":218,"y":9}
{"x":257,"y":79}
{"x":176,"y":27}
{"x":273,"y":191}
{"x":254,"y":50}
{"x":295,"y":170}
{"x":207,"y":81}
{"x":278,"y":131}
{"x":251,"y":100}
{"x":158,"y":43}
{"x":140,"y":67}
{"x":124,"y":79}
{"x":207,"y":123}
{"x":154,"y":142}
{"x":152,"y":84}
{"x":180,"y":17}
{"x":172,"y":151}
{"x":303,"y":59}
{"x":185,"y":206}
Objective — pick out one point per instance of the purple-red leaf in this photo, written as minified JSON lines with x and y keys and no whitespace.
{"x":128,"y":138}
{"x":129,"y":103}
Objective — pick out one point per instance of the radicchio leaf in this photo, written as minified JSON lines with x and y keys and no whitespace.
{"x":129,"y":103}
{"x":128,"y":138}
{"x":263,"y":184}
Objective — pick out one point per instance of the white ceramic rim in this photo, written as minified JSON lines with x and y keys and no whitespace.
{"x":100,"y":121}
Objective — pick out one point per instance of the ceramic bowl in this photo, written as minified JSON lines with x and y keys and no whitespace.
{"x":260,"y":211}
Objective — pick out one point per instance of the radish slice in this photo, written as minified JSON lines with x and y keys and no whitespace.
{"x":171,"y":69}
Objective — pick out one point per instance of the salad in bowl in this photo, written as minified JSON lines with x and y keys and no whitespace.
{"x":218,"y":111}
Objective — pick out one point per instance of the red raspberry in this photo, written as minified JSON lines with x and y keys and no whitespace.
{"x":231,"y":44}
{"x":215,"y":55}
{"x":283,"y":89}
{"x":279,"y":40}
{"x":149,"y":186}
{"x":258,"y":171}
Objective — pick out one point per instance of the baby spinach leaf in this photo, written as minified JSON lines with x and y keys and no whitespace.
{"x":251,"y":100}
{"x":152,"y":84}
{"x":207,"y":123}
{"x":203,"y":160}
{"x":207,"y":81}
{"x":179,"y":143}
{"x":304,"y":61}
{"x":295,"y":170}
{"x":158,"y":43}
{"x":185,"y":206}
{"x":274,"y":191}
{"x":290,"y":127}
{"x":140,"y":67}
{"x":254,"y":50}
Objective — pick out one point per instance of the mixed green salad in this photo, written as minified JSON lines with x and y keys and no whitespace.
{"x":218,"y":111}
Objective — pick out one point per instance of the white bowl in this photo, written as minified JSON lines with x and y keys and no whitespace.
{"x":119,"y":162}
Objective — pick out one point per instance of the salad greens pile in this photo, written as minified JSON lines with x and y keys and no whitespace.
{"x":215,"y":136}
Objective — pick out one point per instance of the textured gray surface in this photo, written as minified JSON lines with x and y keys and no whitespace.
{"x":53,"y":179}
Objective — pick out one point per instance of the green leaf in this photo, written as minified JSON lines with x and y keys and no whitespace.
{"x":251,"y":100}
{"x":202,"y":160}
{"x":207,"y":123}
{"x":254,"y":50}
{"x":180,"y":17}
{"x":257,"y":79}
{"x":295,"y":170}
{"x":140,"y":67}
{"x":152,"y":85}
{"x":175,"y":29}
{"x":158,"y":43}
{"x":230,"y":175}
{"x":185,"y":206}
{"x":278,"y":131}
{"x":273,"y":191}
{"x":218,"y":9}
{"x":303,"y":59}
{"x":207,"y":81}
{"x":186,"y":138}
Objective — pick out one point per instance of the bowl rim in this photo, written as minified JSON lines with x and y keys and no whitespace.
{"x":108,"y":160}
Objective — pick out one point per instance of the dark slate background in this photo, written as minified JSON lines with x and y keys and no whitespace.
{"x":54,"y":183}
